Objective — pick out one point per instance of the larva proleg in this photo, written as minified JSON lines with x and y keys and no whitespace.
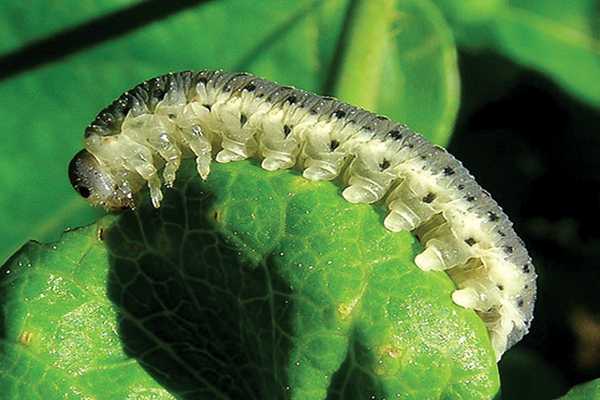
{"x":229,"y":117}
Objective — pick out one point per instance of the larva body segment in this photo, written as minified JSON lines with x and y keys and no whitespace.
{"x":229,"y":117}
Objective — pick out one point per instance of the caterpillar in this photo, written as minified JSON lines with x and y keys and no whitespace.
{"x":235,"y":116}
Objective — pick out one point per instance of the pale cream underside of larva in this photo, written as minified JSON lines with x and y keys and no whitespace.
{"x":283,"y":135}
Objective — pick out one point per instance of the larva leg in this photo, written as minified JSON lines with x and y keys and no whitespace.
{"x":278,"y":140}
{"x":147,"y":171}
{"x":183,"y":122}
{"x":416,"y":199}
{"x":237,"y":138}
{"x":200,"y":144}
{"x":323,"y":154}
{"x":153,"y":133}
{"x":447,"y":248}
{"x":332,"y":141}
{"x":198,"y":137}
{"x":442,"y":254}
{"x":169,"y":151}
{"x":156,"y":194}
{"x":479,"y":295}
{"x":325,"y":159}
{"x":139,"y":159}
{"x":407,"y":209}
{"x":455,"y":241}
{"x":369,"y":174}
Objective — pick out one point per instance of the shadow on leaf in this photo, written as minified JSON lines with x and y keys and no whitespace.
{"x":202,"y":321}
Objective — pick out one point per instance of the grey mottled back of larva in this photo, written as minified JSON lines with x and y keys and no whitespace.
{"x":425,"y":189}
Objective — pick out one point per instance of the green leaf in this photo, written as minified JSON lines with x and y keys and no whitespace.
{"x":400,"y":61}
{"x":253,"y":285}
{"x":59,"y":333}
{"x":585,"y":391}
{"x":558,"y":38}
{"x":59,"y":73}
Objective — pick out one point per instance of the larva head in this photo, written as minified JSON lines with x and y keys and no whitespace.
{"x":95,"y":183}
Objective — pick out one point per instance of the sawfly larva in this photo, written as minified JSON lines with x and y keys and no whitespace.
{"x":237,"y":116}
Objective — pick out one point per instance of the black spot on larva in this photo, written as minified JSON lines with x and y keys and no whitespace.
{"x":367,"y":128}
{"x":382,"y":118}
{"x":172,"y":116}
{"x":470,"y":241}
{"x":493,"y":217}
{"x":385,"y":164}
{"x":525,"y":287}
{"x":203,"y":80}
{"x":520,"y":303}
{"x":207,"y":106}
{"x":526,"y":268}
{"x":508,"y":249}
{"x":339,"y":114}
{"x":500,"y":287}
{"x":287,"y":130}
{"x":243,"y":119}
{"x":447,"y":171}
{"x":470,"y":199}
{"x":334,"y":145}
{"x":292,"y":99}
{"x":429,"y":198}
{"x":83,"y":191}
{"x":460,"y":187}
{"x":501,"y":233}
{"x":250,"y":87}
{"x":395,"y":134}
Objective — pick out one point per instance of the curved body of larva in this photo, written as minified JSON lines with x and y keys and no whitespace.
{"x":237,"y":116}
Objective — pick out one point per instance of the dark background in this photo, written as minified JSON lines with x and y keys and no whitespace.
{"x":536,"y":148}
